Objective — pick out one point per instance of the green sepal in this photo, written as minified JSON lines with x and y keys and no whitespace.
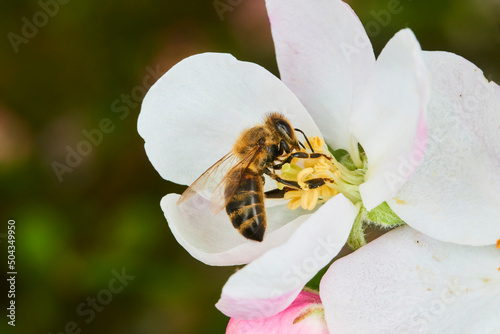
{"x":383,"y":216}
{"x":343,"y":157}
{"x":356,"y":238}
{"x":314,"y":282}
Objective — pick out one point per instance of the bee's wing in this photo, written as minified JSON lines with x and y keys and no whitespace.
{"x":206,"y":184}
{"x":228,"y":186}
{"x":220,"y":182}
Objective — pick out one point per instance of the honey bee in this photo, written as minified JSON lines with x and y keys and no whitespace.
{"x":241,"y":189}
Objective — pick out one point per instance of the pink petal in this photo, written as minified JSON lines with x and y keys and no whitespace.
{"x":304,"y":316}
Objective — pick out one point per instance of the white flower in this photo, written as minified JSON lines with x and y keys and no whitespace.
{"x":407,"y":282}
{"x":403,"y":282}
{"x":330,"y":80}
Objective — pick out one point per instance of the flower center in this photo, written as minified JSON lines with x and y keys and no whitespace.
{"x":320,"y":178}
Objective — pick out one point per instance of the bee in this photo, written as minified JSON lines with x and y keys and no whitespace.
{"x":241,"y":189}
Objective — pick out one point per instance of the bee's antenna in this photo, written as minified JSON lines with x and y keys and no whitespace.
{"x":307,"y":140}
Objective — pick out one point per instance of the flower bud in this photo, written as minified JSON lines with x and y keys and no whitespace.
{"x":304,"y":316}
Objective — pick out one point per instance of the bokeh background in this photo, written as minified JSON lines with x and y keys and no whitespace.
{"x":89,"y":59}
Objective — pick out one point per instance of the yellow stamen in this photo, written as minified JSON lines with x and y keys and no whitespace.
{"x":322,"y":166}
{"x":337,"y":179}
{"x":295,"y":199}
{"x":317,"y":144}
{"x":309,"y":199}
{"x":293,"y":204}
{"x":293,"y":194}
{"x":327,"y":192}
{"x":309,"y":163}
{"x":301,"y":176}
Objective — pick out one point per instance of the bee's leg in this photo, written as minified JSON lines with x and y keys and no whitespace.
{"x":292,"y":184}
{"x":283,"y":148}
{"x":316,"y":183}
{"x":300,"y":155}
{"x":307,"y":140}
{"x":310,"y":184}
{"x":275,"y":193}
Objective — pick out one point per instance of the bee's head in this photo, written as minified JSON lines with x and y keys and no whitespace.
{"x":282,"y":126}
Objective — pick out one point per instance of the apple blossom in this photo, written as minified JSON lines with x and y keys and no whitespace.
{"x":333,"y":89}
{"x":403,"y":282}
{"x":407,"y":282}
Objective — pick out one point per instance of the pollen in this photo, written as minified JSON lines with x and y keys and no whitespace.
{"x":295,"y":197}
{"x":303,"y":176}
{"x":302,"y":171}
{"x":400,"y":201}
{"x":317,"y":144}
{"x":318,"y":179}
{"x":498,"y":244}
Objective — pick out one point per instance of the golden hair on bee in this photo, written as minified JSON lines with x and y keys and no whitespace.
{"x":259,"y":150}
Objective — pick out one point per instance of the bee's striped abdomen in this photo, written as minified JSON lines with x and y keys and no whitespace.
{"x":246,"y":207}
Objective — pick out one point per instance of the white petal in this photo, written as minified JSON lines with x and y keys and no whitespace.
{"x":390,"y":120}
{"x":324,"y":56}
{"x":213,"y":239}
{"x":192,"y":115}
{"x":269,"y":284}
{"x":406,"y":282}
{"x":455,"y":193}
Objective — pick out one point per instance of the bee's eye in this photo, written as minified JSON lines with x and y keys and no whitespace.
{"x":284,"y":128}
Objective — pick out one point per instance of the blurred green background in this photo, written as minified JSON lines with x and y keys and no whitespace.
{"x":104,"y":215}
